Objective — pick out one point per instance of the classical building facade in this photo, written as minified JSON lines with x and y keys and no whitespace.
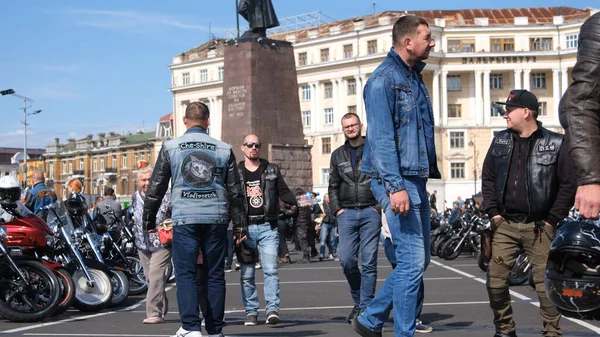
{"x":480,"y":55}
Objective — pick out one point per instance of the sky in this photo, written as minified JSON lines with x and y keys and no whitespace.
{"x":102,"y":66}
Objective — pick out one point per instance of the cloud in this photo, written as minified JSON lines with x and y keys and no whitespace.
{"x":133,"y":21}
{"x":65,"y":68}
{"x":58,"y":94}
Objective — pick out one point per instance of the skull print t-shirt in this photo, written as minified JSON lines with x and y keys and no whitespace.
{"x":254,"y":192}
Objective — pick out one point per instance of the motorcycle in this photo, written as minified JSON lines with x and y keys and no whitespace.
{"x":29,"y":235}
{"x":468,"y":238}
{"x":29,"y":291}
{"x":93,"y":289}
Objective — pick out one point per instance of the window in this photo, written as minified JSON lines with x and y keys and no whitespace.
{"x":306,"y":93}
{"x":101,"y":164}
{"x":502,"y":44}
{"x":186,"y":78}
{"x":543,"y":109}
{"x":302,"y":59}
{"x":454,"y":110}
{"x":540,"y":43}
{"x":325,"y":176}
{"x":572,"y":41}
{"x":306,"y":118}
{"x":348,"y":51}
{"x":306,"y":142}
{"x":497,"y":110}
{"x":326,"y":145}
{"x":221,"y":72}
{"x":328,"y":116}
{"x":64,"y":165}
{"x":457,"y":170}
{"x":124,"y":187}
{"x":328,"y":90}
{"x":51,"y":171}
{"x":351,"y":87}
{"x":70,"y":167}
{"x":203,"y":75}
{"x":538,"y":80}
{"x":95,"y":164}
{"x":143,"y":156}
{"x":114,"y":161}
{"x":454,"y":83}
{"x":461,"y":46}
{"x":496,"y":81}
{"x":372,"y":47}
{"x":81,"y":167}
{"x":124,"y":161}
{"x":136,"y":159}
{"x":352,"y":109}
{"x":457,"y":140}
{"x":325,"y":55}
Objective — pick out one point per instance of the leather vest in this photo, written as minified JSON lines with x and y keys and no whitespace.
{"x":542,"y":161}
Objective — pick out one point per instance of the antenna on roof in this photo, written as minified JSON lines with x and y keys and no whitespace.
{"x":374,"y":7}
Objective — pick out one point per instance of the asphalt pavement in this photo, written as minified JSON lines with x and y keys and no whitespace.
{"x":315,"y":301}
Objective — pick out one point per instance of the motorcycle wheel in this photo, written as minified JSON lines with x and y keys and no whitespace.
{"x":169,"y":271}
{"x":439,"y":243}
{"x":482,"y":262}
{"x":432,"y":242}
{"x":92,"y":299}
{"x":33,"y":303}
{"x":137,"y":280}
{"x":120,"y":287}
{"x":449,"y":251}
{"x":518,"y":275}
{"x":67,"y":291}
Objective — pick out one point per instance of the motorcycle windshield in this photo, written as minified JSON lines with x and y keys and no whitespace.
{"x":22,"y":210}
{"x":58,"y":216}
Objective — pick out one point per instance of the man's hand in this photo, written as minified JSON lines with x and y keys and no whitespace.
{"x":587,"y":201}
{"x":339,"y":212}
{"x":240,"y":240}
{"x":400,"y":202}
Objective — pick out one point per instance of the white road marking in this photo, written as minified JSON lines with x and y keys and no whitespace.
{"x":344,"y":281}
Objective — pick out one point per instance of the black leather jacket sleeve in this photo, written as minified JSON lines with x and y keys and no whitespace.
{"x":235,"y":196}
{"x":284,"y":191}
{"x":565,"y":196}
{"x":334,"y":187}
{"x":580,"y":106}
{"x":159,"y":183}
{"x":29,"y":200}
{"x":488,"y":186}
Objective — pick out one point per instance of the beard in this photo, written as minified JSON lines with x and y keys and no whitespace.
{"x":252,"y":156}
{"x":358,"y":135}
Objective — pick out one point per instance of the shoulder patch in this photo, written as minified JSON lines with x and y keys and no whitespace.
{"x":503,"y":141}
{"x":547,"y":148}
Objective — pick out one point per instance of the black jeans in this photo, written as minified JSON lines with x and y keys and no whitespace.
{"x":283,"y":233}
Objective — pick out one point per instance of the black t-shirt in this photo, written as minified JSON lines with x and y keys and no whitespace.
{"x":254,"y":192}
{"x":515,"y":199}
{"x":353,"y":153}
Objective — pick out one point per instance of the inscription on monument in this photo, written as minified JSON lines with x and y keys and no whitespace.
{"x":237,"y":104}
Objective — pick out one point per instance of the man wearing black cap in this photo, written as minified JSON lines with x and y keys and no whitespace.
{"x":528,"y":186}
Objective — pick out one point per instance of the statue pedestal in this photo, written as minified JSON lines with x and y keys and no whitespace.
{"x":260,"y":96}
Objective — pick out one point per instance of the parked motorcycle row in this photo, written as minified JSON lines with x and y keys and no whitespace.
{"x":449,"y":240}
{"x":68,"y":260}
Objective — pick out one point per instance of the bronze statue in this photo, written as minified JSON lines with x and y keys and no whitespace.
{"x":260,"y":15}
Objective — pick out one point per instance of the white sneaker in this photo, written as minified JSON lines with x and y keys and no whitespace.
{"x":330,"y":257}
{"x":184,"y":333}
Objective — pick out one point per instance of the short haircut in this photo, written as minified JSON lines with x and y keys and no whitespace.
{"x":197,"y":111}
{"x":350,"y":115}
{"x":535,"y":114}
{"x":406,"y":25}
{"x":109,"y":191}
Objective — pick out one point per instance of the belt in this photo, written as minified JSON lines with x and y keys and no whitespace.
{"x":520,"y":218}
{"x":358,"y":207}
{"x":256,"y":219}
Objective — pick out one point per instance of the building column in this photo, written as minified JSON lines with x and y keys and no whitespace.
{"x":518,"y":84}
{"x":564,"y":76}
{"x":478,"y":99}
{"x":435,"y":99}
{"x":337,"y":104}
{"x":360,"y":104}
{"x":487,"y":105}
{"x":315,"y":105}
{"x":526,"y":79}
{"x":444,"y":98}
{"x":555,"y":94}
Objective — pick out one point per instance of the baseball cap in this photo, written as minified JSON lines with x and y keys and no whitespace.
{"x":521,"y":99}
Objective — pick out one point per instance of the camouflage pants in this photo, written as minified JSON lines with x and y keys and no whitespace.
{"x":508,"y":238}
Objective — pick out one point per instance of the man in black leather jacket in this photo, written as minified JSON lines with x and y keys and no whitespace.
{"x":357,"y":213}
{"x":528,"y":187}
{"x":580,"y":116}
{"x":263,"y":186}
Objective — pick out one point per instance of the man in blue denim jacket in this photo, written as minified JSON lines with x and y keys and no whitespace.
{"x":400,"y":119}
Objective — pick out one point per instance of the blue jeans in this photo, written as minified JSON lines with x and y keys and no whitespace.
{"x":188,"y":240}
{"x":327,"y":230}
{"x":267,"y":239}
{"x":410,"y":236}
{"x":359,"y":233}
{"x":229,"y":260}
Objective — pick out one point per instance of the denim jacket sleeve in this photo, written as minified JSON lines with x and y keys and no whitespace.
{"x":380,"y":102}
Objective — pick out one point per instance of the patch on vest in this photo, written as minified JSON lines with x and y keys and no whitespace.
{"x":197,"y":146}
{"x":547,"y":148}
{"x":198,"y":195}
{"x":198,"y":169}
{"x":503,"y":141}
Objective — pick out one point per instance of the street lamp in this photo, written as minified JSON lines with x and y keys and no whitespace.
{"x":24,"y":121}
{"x":472,"y":143}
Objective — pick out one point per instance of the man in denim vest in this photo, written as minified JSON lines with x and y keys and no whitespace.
{"x":205,"y":189}
{"x":39,"y":196}
{"x":400,"y":118}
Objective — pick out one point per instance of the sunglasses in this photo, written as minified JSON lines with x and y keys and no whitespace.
{"x":252,"y":144}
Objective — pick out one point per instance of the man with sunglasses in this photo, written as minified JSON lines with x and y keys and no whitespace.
{"x":528,"y":186}
{"x":358,"y":215}
{"x":263,"y":186}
